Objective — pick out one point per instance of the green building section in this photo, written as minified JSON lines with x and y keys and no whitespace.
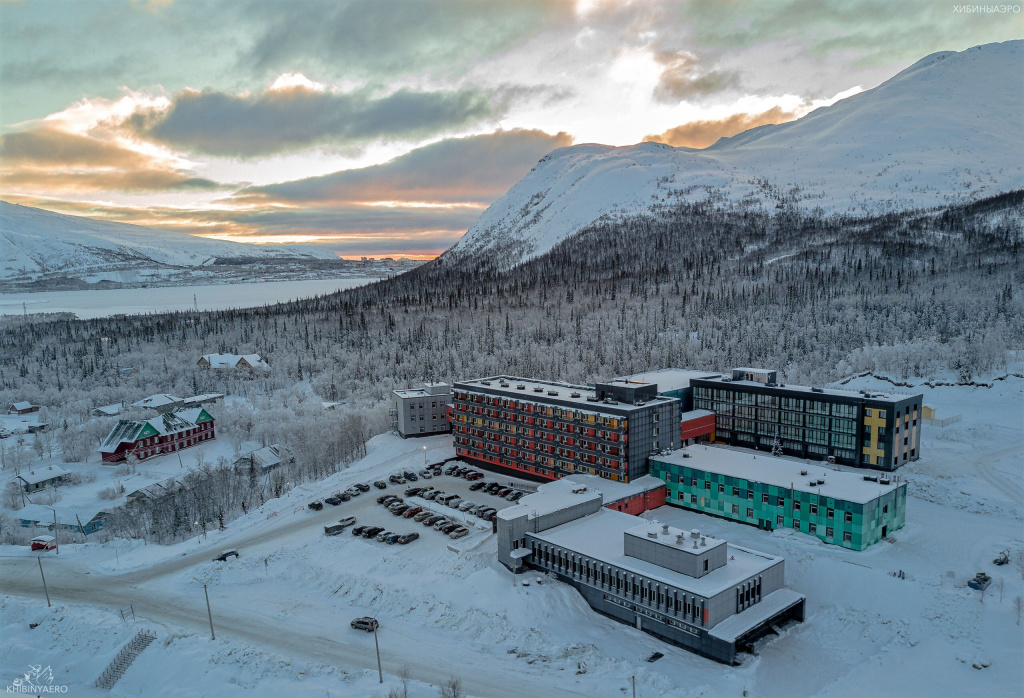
{"x":850,"y":524}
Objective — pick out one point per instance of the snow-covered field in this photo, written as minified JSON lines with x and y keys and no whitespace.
{"x":281,"y":610}
{"x":107,"y":302}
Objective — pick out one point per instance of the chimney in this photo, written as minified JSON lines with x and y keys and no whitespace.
{"x":703,"y":542}
{"x":694,"y":545}
{"x":680,"y":539}
{"x":664,"y":529}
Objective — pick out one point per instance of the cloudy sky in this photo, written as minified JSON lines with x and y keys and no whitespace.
{"x":385,"y":127}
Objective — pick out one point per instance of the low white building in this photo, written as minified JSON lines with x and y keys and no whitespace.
{"x":40,"y":478}
{"x":421,"y":411}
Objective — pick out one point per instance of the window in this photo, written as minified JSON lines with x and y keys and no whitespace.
{"x":780,"y":521}
{"x":656,"y":446}
{"x":657,"y":417}
{"x":750,"y":513}
{"x":707,"y":486}
{"x":814,"y":508}
{"x":885,"y":509}
{"x":848,"y":517}
{"x":796,"y":505}
{"x":693,"y":482}
{"x":750,"y":495}
{"x":735,"y":491}
{"x":736,"y":509}
{"x":657,"y":431}
{"x":828,"y":531}
{"x":693,"y":499}
{"x":846,"y":536}
{"x":830,"y":512}
{"x":782,"y":501}
{"x":764,"y":498}
{"x":812,"y":528}
{"x":705,"y":565}
{"x":721,"y":488}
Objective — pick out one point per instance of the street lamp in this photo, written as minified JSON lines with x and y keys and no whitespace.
{"x":424,"y":456}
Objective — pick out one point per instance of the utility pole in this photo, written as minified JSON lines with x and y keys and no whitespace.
{"x":380,"y":672}
{"x":55,"y":541}
{"x":634,"y":685}
{"x":47,"y":591}
{"x":209,"y":613}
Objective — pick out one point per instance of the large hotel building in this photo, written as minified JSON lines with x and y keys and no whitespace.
{"x":867,"y":429}
{"x":547,"y":430}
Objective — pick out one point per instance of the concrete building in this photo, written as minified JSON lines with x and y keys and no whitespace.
{"x":845,"y":508}
{"x":694,"y":591}
{"x":867,"y":429}
{"x":421,"y":411}
{"x":546,"y":430}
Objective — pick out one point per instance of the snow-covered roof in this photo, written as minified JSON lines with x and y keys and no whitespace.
{"x":109,"y":410}
{"x":129,"y":430}
{"x":783,"y":471}
{"x":669,"y":379}
{"x":551,"y":497}
{"x":771,"y":605}
{"x":158,"y":400}
{"x":200,"y":399}
{"x":552,"y":392}
{"x":695,"y":414}
{"x":66,"y":515}
{"x":23,"y":405}
{"x":232,"y":360}
{"x":812,"y":391}
{"x":267,"y":457}
{"x":37,"y":475}
{"x":611,"y":490}
{"x":601,"y":536}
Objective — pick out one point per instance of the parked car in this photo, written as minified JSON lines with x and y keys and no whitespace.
{"x":362,"y":487}
{"x":433,"y":495}
{"x":225,"y":555}
{"x":401,"y":509}
{"x":380,"y":485}
{"x":439,"y":524}
{"x":410,"y":476}
{"x":459,"y":532}
{"x":353,"y":491}
{"x":493,"y":487}
{"x":450,"y":470}
{"x":418,"y":518}
{"x":384,"y":534}
{"x":408,"y":538}
{"x":469,"y":474}
{"x":316,"y":506}
{"x":466,"y":506}
{"x":393,"y":538}
{"x":333,"y":529}
{"x":476,"y":486}
{"x":333,"y":501}
{"x":413,"y":491}
{"x":436,"y":472}
{"x":488,"y":515}
{"x":396,"y":505}
{"x":380,"y":499}
{"x":425,"y":474}
{"x":518,"y":495}
{"x":454,"y":502}
{"x":476,"y":476}
{"x":44,"y":543}
{"x":347,"y":521}
{"x":448,"y":527}
{"x":396,"y":479}
{"x":364,"y":623}
{"x":358,"y":530}
{"x":431,"y":520}
{"x":411,"y":512}
{"x":503,"y":491}
{"x":372,"y":531}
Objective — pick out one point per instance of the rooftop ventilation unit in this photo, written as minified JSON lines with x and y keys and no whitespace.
{"x":552,"y":392}
{"x":592,"y":398}
{"x":664,"y":529}
{"x":538,"y":389}
{"x":817,"y":390}
{"x":695,"y":533}
{"x":694,"y":545}
{"x":652,"y":534}
{"x":639,"y":403}
{"x":680,"y":539}
{"x":485,"y":382}
{"x":703,"y":542}
{"x":803,"y":472}
{"x":503,"y":384}
{"x":574,"y":394}
{"x":610,"y":401}
{"x":520,"y":387}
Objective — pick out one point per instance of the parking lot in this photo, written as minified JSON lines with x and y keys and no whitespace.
{"x":368,"y":512}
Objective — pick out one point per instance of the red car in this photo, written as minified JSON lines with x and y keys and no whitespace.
{"x":409,"y":513}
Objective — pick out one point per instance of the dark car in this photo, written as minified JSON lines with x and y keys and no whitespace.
{"x":431,"y":520}
{"x":411,"y":512}
{"x":367,"y":624}
{"x":516,"y":497}
{"x":380,"y":499}
{"x":408,"y":538}
{"x":396,"y":479}
{"x":450,"y":470}
{"x":343,"y":496}
{"x":372,"y":531}
{"x":476,"y":486}
{"x":503,"y":492}
{"x":333,"y":501}
{"x":358,"y":530}
{"x":225,"y":555}
{"x":362,"y":487}
{"x":401,"y":509}
{"x":413,"y":491}
{"x":419,"y":518}
{"x":316,"y":506}
{"x":380,"y":485}
{"x":393,"y":538}
{"x":410,"y":476}
{"x":387,"y":500}
{"x":493,"y":487}
{"x":437,"y":472}
{"x":448,"y":527}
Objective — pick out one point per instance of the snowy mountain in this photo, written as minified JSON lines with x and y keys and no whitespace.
{"x":945,"y":130}
{"x":34,"y":241}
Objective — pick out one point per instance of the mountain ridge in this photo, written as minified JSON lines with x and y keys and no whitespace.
{"x":944,"y":130}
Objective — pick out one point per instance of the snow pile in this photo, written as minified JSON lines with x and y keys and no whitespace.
{"x":945,"y":130}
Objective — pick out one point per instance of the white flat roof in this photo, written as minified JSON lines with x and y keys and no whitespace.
{"x":669,"y":379}
{"x":565,"y":392}
{"x":739,"y":623}
{"x":614,"y":491}
{"x":847,"y":485}
{"x":838,"y":392}
{"x":42,"y":474}
{"x":600,"y":536}
{"x":412,"y":392}
{"x":670,"y":539}
{"x":550,"y":497}
{"x":695,"y":414}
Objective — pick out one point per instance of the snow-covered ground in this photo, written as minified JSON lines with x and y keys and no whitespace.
{"x":446,"y":608}
{"x":130,"y":301}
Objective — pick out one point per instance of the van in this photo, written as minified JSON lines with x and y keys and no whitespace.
{"x":333,"y":529}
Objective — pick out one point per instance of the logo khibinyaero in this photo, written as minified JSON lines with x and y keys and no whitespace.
{"x":37,"y":681}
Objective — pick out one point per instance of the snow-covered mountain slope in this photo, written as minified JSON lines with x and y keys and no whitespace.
{"x":34,"y":241}
{"x":947,"y":129}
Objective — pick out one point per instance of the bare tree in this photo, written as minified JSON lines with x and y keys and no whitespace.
{"x":401,"y":691}
{"x":452,"y":688}
{"x":1018,"y":604}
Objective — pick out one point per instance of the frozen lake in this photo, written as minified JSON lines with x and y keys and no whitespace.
{"x":106,"y":302}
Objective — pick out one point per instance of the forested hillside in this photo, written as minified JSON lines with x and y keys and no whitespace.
{"x":690,"y":285}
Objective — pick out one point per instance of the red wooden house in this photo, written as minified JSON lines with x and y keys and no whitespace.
{"x":165,"y":433}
